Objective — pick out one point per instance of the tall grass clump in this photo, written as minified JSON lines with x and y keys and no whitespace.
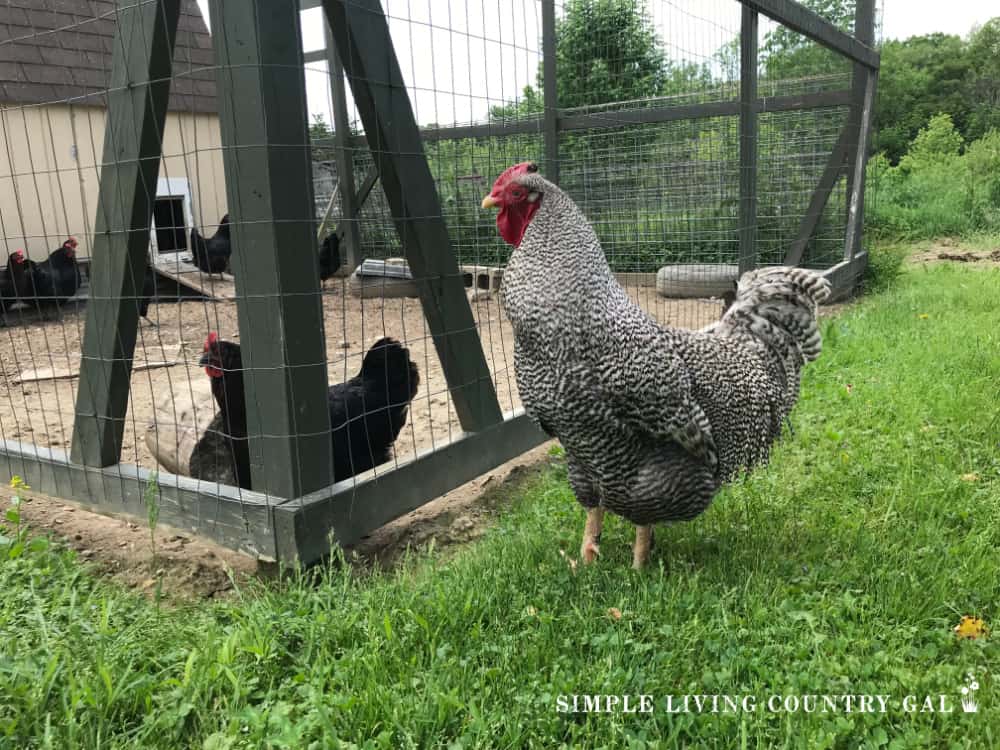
{"x":937,"y":189}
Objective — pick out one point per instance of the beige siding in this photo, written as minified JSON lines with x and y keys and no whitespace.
{"x":49,"y":190}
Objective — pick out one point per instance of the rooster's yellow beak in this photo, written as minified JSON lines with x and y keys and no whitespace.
{"x":490,"y":202}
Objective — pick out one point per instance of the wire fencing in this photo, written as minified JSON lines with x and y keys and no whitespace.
{"x":265,"y":302}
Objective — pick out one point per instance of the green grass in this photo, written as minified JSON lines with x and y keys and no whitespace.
{"x":842,"y":568}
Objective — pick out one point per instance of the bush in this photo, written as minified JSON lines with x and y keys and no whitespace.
{"x":936,"y":190}
{"x":885,"y":264}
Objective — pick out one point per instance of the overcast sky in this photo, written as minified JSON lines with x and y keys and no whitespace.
{"x":460,"y":57}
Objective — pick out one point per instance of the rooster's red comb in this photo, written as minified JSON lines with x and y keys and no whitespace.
{"x":515,"y":171}
{"x":212,"y":340}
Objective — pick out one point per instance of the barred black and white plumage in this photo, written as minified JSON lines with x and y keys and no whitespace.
{"x":653,"y":419}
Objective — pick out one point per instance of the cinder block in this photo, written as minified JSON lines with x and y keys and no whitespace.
{"x":487,"y":278}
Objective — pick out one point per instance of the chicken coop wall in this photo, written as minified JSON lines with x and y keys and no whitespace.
{"x":666,"y":180}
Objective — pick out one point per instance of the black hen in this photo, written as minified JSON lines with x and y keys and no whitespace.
{"x":15,"y":280}
{"x":329,"y":256}
{"x":56,"y":279}
{"x":148,"y":290}
{"x":212,"y":256}
{"x":222,"y":454}
{"x":367,"y":413}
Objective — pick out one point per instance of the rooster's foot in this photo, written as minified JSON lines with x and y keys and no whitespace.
{"x":643,"y":544}
{"x":589,"y":550}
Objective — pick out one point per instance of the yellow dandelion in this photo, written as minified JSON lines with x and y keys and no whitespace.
{"x":971,"y":628}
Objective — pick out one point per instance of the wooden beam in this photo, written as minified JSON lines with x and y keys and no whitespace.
{"x":748,"y":142}
{"x":366,"y":188}
{"x":809,"y":23}
{"x":550,"y":91}
{"x":234,"y":518}
{"x":845,"y":276}
{"x":262,"y":113}
{"x":568,"y":121}
{"x":350,"y":209}
{"x":142,"y":63}
{"x":856,"y":199}
{"x":817,"y":202}
{"x":352,"y":510}
{"x":672,"y":113}
{"x":864,"y":29}
{"x":368,"y":56}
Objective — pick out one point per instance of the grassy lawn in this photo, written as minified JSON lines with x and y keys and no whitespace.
{"x":840,"y":569}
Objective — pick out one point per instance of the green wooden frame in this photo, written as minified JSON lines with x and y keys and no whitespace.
{"x":137,"y":109}
{"x":268,"y":166}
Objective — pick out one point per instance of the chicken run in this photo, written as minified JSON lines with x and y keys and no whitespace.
{"x":284,"y":335}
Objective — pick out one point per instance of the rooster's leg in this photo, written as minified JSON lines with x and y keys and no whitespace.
{"x":589,"y":550}
{"x":643,"y":543}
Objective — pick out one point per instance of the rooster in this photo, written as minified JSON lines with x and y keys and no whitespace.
{"x":367,"y":413}
{"x":653,"y":419}
{"x":212,"y":256}
{"x":55,"y":280}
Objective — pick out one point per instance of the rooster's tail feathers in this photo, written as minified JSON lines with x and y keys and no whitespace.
{"x":779,"y":302}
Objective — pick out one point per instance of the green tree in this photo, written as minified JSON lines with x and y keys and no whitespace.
{"x":920,"y":77}
{"x":606,"y":51}
{"x":530,"y":103}
{"x":786,"y":54}
{"x":984,"y":79}
{"x":936,"y":143}
{"x":319,"y":132}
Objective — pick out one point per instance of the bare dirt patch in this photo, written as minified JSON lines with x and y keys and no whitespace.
{"x":949,"y":251}
{"x":184,"y":566}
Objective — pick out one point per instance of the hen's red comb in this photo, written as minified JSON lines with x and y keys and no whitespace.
{"x":212,"y":340}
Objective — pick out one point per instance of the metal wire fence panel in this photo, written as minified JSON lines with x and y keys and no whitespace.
{"x":212,"y":233}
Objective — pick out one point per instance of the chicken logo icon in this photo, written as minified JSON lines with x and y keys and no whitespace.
{"x":969,"y":704}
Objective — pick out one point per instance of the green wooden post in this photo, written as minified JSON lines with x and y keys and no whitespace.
{"x":864,"y":31}
{"x":350,"y":246}
{"x":748,"y":142}
{"x":365,"y":48}
{"x":262,"y":110}
{"x":137,"y":108}
{"x":549,"y":93}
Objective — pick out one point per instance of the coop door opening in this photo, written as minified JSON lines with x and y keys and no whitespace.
{"x":168,"y":218}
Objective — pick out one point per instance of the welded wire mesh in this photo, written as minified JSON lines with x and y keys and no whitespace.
{"x":661,"y":189}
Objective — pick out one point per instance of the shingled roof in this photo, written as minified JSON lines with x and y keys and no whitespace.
{"x":60,"y":50}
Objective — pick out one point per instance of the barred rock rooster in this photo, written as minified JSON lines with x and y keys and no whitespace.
{"x":367,"y":413}
{"x":653,"y":419}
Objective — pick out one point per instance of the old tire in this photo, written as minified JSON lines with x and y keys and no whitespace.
{"x":695,"y":280}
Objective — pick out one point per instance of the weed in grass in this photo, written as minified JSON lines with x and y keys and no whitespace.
{"x":14,"y":540}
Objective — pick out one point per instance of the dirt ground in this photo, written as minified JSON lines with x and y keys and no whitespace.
{"x":949,"y":251}
{"x":41,"y":412}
